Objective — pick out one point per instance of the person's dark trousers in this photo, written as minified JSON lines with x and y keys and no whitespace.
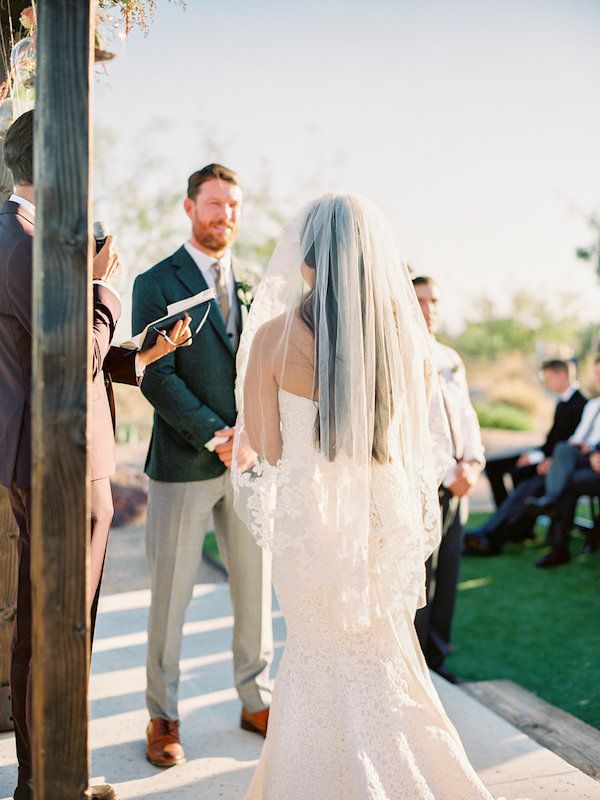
{"x":511,"y":519}
{"x":566,"y":459}
{"x":433,"y":622}
{"x":20,"y":680}
{"x":497,"y":468}
{"x":582,"y":482}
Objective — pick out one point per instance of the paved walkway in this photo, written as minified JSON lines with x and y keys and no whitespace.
{"x":221,"y":757}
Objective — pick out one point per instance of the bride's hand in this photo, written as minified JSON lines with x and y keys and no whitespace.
{"x":225,"y":451}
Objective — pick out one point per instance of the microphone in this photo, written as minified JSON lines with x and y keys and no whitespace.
{"x":100,"y":234}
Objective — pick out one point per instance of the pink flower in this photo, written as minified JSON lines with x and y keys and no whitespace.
{"x":27,"y":18}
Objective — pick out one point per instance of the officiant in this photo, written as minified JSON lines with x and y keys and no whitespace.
{"x":434,"y":622}
{"x":17,"y":229}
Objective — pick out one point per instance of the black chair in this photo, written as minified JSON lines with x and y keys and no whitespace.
{"x":590,"y":528}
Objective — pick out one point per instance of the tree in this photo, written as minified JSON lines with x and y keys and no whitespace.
{"x":592,"y":252}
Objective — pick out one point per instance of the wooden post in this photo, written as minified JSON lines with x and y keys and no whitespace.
{"x":8,"y":601}
{"x":61,"y":378}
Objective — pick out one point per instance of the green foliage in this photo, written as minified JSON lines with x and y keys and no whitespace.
{"x":592,"y":252}
{"x":502,"y":415}
{"x":489,"y":334}
{"x":535,"y":627}
{"x":136,"y":13}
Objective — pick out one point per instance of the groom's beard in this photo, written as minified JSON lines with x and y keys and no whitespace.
{"x":211,"y":238}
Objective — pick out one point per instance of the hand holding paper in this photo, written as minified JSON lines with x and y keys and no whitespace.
{"x":180,"y":335}
{"x":175,"y":312}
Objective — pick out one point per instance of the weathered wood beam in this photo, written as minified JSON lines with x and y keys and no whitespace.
{"x":557,"y":730}
{"x":61,"y":378}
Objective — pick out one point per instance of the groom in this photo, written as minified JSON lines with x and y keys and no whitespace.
{"x":192,"y":392}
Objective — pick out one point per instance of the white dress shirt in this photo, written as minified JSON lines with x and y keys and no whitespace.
{"x":15,"y":198}
{"x":205,"y":263}
{"x":588,"y":430}
{"x":455,"y":392}
{"x":27,"y":205}
{"x":566,"y":396}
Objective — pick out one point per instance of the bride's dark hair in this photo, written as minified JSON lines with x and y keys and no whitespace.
{"x":319,"y":310}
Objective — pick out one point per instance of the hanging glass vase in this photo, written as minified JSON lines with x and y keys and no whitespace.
{"x":23,"y":59}
{"x":6,"y":116}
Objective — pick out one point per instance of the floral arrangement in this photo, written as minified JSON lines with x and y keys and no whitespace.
{"x":245,"y":293}
{"x":113,"y":20}
{"x":135,"y":12}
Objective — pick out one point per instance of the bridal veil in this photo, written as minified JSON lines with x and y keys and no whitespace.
{"x":381,"y":444}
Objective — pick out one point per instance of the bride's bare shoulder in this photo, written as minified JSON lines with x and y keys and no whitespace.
{"x":281,"y":330}
{"x":269,"y":333}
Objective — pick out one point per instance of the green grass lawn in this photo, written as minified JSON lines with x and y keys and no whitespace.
{"x":539,"y":628}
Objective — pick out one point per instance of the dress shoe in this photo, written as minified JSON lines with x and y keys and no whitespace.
{"x":478,"y":544}
{"x":256,"y":722}
{"x":448,"y":676}
{"x":556,"y":557}
{"x":163,"y":748}
{"x":592,"y":541}
{"x":542,"y":505}
{"x":101,"y":792}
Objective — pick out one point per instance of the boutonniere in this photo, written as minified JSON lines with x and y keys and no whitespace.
{"x":245,"y":294}
{"x":449,"y":373}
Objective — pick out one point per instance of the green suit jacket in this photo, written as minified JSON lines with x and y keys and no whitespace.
{"x":192,"y":389}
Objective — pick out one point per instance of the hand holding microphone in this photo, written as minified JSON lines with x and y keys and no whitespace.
{"x":106,"y":264}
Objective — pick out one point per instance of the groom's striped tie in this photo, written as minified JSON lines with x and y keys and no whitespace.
{"x":221,"y":287}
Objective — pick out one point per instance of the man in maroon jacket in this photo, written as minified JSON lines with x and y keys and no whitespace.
{"x":17,"y":222}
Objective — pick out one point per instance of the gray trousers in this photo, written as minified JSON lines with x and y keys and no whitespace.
{"x":178,"y":516}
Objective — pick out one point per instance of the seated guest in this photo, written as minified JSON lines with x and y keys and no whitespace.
{"x":512,"y":521}
{"x":585,"y":480}
{"x":570,"y":460}
{"x":559,"y":378}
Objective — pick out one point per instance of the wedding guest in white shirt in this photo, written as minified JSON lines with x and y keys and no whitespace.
{"x":434,"y":621}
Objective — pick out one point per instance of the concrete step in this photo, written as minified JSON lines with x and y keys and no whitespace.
{"x":221,"y":757}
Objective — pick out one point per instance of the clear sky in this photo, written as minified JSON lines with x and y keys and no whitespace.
{"x":475,"y":125}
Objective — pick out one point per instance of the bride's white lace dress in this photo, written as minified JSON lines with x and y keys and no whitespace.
{"x":355,"y":715}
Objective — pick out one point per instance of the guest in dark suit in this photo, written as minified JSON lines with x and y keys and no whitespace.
{"x":559,"y":378}
{"x":573,"y":472}
{"x":192,"y":392}
{"x":512,"y":521}
{"x":17,"y":223}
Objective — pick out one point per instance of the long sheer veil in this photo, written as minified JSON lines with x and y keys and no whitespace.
{"x":366,"y":487}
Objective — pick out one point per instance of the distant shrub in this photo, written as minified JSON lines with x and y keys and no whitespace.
{"x":517,"y":392}
{"x":501,"y":415}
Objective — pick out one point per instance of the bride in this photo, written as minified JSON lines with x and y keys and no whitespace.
{"x":339,"y":400}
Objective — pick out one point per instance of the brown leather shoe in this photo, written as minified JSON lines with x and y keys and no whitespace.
{"x":556,"y":557}
{"x":101,"y":792}
{"x":256,"y":722}
{"x":163,"y":748}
